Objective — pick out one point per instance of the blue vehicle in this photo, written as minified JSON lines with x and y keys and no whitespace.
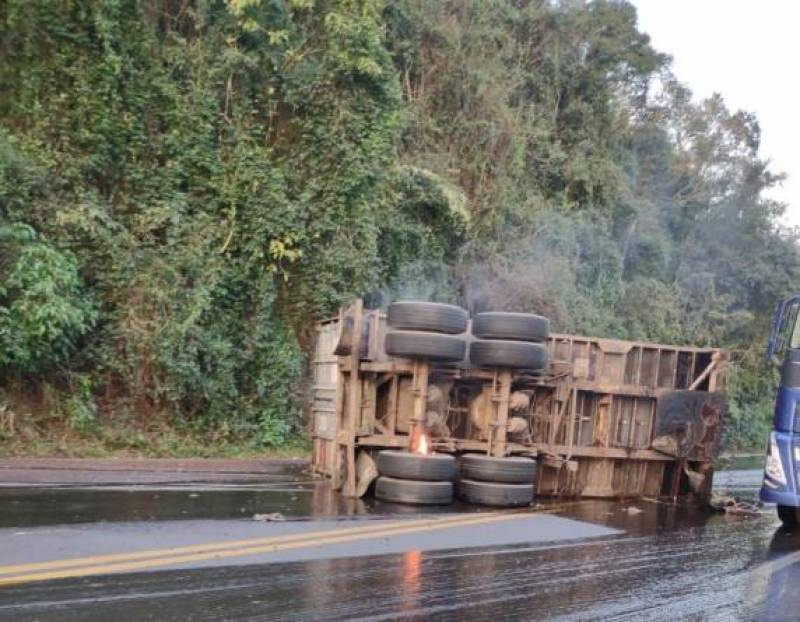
{"x":781,"y":483}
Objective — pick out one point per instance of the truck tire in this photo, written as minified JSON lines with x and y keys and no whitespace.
{"x":413,"y":345}
{"x":511,"y":470}
{"x":496,"y":494}
{"x":427,"y":316}
{"x":512,"y":354}
{"x":405,"y":465}
{"x":511,"y":326}
{"x":413,"y":491}
{"x":790,"y":516}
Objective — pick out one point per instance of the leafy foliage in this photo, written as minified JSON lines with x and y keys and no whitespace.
{"x":42,"y":307}
{"x":185,"y":188}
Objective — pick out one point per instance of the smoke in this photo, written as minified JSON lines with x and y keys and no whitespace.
{"x":564,"y":266}
{"x":418,"y":280}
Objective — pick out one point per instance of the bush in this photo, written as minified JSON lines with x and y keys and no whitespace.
{"x":43,"y":305}
{"x":81,"y":409}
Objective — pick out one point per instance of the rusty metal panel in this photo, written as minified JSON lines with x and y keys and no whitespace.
{"x":689,"y":423}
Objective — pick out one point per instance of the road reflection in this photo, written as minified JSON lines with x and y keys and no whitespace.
{"x":412,"y":562}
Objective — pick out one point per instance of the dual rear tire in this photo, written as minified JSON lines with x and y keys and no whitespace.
{"x":433,"y":331}
{"x":426,"y":330}
{"x":428,"y":479}
{"x":511,"y":326}
{"x":499,"y":482}
{"x":511,"y":354}
{"x":495,"y":494}
{"x":415,"y":478}
{"x":509,"y":340}
{"x":427,"y":467}
{"x":431,"y":317}
{"x":415,"y":492}
{"x":511,"y":470}
{"x":409,"y":344}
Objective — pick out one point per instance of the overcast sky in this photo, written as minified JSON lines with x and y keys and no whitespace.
{"x":749,"y":51}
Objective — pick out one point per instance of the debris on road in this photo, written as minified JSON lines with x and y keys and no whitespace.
{"x":274,"y":517}
{"x":734,"y":505}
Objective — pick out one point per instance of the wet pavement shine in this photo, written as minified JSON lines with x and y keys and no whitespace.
{"x":201,"y":556}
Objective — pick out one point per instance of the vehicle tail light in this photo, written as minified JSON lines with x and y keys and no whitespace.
{"x":774,"y":465}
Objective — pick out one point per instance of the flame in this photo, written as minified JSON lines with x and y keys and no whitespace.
{"x":423,"y":446}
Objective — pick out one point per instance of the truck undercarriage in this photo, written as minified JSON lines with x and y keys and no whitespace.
{"x":604,"y":418}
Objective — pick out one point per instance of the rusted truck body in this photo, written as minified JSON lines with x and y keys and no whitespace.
{"x":607,"y":418}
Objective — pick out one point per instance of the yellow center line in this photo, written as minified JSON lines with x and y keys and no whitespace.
{"x":150,"y":559}
{"x":195,"y":548}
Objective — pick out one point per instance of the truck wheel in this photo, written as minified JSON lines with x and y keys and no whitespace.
{"x":405,"y":465}
{"x":493,"y":493}
{"x":428,"y":316}
{"x":790,"y":516}
{"x":513,"y":354}
{"x":511,"y":326}
{"x":511,"y":470}
{"x":412,"y":491}
{"x":412,"y":344}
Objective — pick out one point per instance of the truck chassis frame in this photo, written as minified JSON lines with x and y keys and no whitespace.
{"x":592,"y":418}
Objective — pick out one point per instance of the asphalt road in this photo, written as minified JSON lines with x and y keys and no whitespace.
{"x":201,"y":556}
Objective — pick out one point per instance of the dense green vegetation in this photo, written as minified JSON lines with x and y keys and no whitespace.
{"x":186,"y":185}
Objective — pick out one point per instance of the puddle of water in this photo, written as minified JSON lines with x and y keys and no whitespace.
{"x":25,"y":507}
{"x":21,"y":507}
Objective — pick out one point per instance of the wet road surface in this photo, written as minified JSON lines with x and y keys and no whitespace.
{"x":606,"y":561}
{"x":65,"y":472}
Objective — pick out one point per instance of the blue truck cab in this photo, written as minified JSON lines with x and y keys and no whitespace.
{"x":781,"y":483}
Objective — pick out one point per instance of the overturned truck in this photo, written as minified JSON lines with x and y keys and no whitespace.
{"x":601,"y":417}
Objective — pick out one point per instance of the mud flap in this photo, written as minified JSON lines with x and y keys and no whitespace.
{"x":366,"y":472}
